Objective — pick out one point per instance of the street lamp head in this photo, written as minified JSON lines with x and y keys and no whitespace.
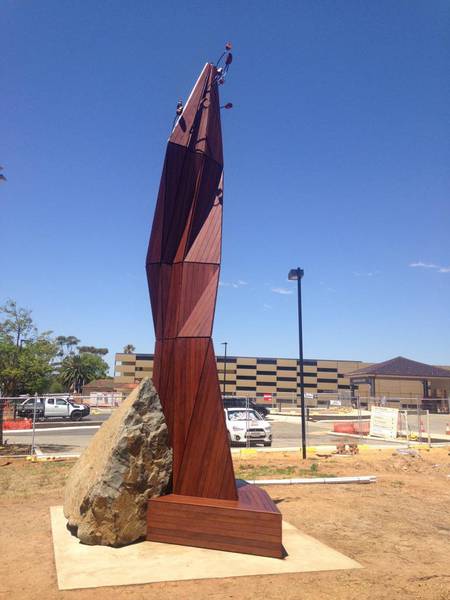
{"x":295,"y":274}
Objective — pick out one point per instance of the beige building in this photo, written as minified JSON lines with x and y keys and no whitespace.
{"x":401,"y":377}
{"x":278,"y":377}
{"x":256,"y":376}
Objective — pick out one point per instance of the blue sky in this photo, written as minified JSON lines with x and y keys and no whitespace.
{"x":336,"y":160}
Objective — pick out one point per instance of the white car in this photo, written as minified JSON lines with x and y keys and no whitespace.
{"x":246,"y":424}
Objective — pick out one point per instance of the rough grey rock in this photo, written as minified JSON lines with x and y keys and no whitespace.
{"x":128,"y":461}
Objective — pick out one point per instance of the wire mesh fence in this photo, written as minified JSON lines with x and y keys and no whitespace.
{"x":357,"y":419}
{"x":339,"y":414}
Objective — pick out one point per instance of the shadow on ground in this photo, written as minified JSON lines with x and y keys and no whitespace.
{"x":58,"y":449}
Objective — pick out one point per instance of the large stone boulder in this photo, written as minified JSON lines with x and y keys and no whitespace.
{"x":128,"y":461}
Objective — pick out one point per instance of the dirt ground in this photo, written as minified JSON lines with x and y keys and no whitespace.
{"x":397,"y":528}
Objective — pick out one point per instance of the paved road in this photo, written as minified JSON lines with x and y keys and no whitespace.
{"x":286,"y":434}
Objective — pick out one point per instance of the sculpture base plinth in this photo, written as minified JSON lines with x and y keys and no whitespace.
{"x":251,"y":525}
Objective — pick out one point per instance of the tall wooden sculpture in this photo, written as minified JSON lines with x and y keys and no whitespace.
{"x":206,"y":507}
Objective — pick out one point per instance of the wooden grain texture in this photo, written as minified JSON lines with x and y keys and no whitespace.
{"x":183,"y":263}
{"x":207,"y":468}
{"x":251,"y":524}
{"x":199,"y":128}
{"x":207,"y":508}
{"x":206,"y":247}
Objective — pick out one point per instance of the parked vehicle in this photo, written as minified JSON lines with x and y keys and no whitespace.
{"x":242,"y":402}
{"x":53,"y":407}
{"x":247,"y":424}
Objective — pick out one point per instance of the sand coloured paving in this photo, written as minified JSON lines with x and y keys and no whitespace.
{"x":397,"y":528}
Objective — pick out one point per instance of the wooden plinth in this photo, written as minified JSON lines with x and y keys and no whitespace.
{"x":251,"y":525}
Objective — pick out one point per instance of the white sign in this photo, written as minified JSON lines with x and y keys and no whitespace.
{"x":105,"y":398}
{"x":383,"y":422}
{"x":335,"y":403}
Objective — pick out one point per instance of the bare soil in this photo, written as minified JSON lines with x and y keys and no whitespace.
{"x":15,"y":449}
{"x":397,"y":528}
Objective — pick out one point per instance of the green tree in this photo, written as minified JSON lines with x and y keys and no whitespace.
{"x":60,"y":340}
{"x":79,"y":369}
{"x":32,"y":362}
{"x":67,"y":345}
{"x":129,"y":349}
{"x":36,"y":365}
{"x":26,"y":369}
{"x":93,"y":350}
{"x":17,"y":325}
{"x":26,"y":358}
{"x":9,"y":367}
{"x":55,"y":387}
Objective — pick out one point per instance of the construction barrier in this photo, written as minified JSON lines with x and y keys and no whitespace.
{"x":343,"y":428}
{"x":20,"y":424}
{"x":361,"y":428}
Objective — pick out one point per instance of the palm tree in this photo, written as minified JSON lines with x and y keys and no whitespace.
{"x":75,"y":372}
{"x":129,"y":349}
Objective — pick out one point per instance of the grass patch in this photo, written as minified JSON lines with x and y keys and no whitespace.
{"x":23,"y":479}
{"x":249,"y":471}
{"x":15,"y":449}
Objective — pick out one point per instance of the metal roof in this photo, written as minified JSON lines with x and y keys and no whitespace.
{"x":402,"y":367}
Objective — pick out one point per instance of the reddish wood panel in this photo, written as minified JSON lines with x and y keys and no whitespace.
{"x":199,"y":321}
{"x":199,"y":127}
{"x":184,"y":359}
{"x":188,"y":189}
{"x":206,"y":195}
{"x":179,"y":308}
{"x":207,"y":468}
{"x":197,"y":302}
{"x":183,"y":262}
{"x":251,"y":524}
{"x":206,"y":247}
{"x":206,"y":508}
{"x":183,"y":174}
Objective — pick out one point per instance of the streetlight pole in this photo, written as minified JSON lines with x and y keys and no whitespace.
{"x":225,"y":344}
{"x":297,"y":275}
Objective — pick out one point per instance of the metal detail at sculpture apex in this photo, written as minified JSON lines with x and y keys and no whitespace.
{"x":183,"y":263}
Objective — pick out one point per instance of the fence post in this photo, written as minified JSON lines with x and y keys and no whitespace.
{"x":428,"y":429}
{"x":419,"y":432}
{"x":247,"y":436}
{"x":1,"y":421}
{"x":407,"y":428}
{"x":358,"y":405}
{"x":34,"y":424}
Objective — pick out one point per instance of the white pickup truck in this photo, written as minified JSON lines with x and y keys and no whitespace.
{"x":53,"y":407}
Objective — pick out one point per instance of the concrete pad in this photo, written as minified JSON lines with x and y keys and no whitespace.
{"x":79,"y":566}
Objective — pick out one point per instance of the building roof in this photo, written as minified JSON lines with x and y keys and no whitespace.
{"x":402,"y":367}
{"x":107,"y":385}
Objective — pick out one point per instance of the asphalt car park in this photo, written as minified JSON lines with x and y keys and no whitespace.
{"x":73,"y":438}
